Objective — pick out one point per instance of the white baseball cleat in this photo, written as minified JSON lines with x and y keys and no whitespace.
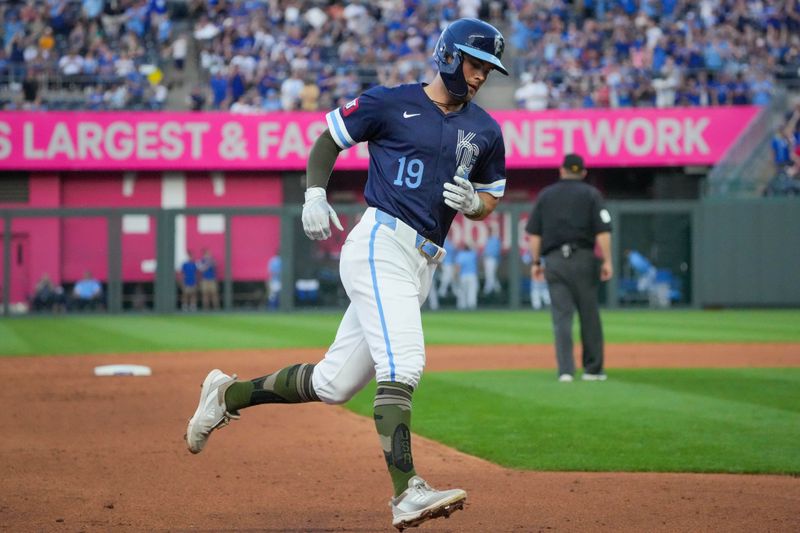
{"x":211,"y":412}
{"x":420,"y":503}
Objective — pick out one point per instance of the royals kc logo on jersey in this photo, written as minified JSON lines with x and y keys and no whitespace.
{"x":466,"y":151}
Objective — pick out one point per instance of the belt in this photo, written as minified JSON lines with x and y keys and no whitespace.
{"x":566,"y":250}
{"x":429,"y":249}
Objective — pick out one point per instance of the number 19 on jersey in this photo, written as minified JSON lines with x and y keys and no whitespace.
{"x":410,"y":174}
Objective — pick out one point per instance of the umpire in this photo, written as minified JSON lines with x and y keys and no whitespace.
{"x":567,"y":220}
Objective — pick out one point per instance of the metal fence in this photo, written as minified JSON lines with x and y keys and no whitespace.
{"x":697,"y":253}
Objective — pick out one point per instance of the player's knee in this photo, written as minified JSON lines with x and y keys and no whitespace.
{"x":334,"y":393}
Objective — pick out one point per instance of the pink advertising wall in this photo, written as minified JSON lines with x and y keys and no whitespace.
{"x":40,"y":239}
{"x":85,"y":239}
{"x":218,"y":159}
{"x":66,"y":248}
{"x":254,"y":239}
{"x":282,"y":141}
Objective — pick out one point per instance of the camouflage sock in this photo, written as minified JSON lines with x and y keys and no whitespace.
{"x":288,"y":385}
{"x":393,"y":422}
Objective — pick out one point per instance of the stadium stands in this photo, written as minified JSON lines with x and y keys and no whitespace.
{"x":622,"y":53}
{"x":255,"y":55}
{"x":84,"y":54}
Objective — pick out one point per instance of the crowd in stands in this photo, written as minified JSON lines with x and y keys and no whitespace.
{"x":786,"y":153}
{"x":269,"y":55}
{"x":309,"y":55}
{"x":623,"y":53}
{"x":91,"y":54}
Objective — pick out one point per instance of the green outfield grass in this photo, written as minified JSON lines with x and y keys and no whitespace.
{"x":732,"y":420}
{"x":84,"y":334}
{"x":709,"y":420}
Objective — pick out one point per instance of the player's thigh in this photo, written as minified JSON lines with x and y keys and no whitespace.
{"x":426,"y":283}
{"x":385,"y":284}
{"x":347,"y":366}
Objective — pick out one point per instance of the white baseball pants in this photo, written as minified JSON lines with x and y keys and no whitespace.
{"x":387,"y":279}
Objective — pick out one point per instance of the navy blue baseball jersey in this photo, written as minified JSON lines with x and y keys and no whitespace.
{"x":414,"y":148}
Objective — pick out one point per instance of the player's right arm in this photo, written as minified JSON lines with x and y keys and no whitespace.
{"x":317,"y":212}
{"x":357,"y":121}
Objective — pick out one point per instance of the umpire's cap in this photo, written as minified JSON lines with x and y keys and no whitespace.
{"x":573,"y":163}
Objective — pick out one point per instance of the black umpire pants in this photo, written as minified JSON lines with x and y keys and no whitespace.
{"x":573,"y":283}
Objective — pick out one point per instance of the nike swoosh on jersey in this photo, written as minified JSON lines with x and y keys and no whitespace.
{"x":406,"y":114}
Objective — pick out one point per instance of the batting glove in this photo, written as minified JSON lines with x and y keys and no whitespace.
{"x":461,"y":195}
{"x":317,"y":214}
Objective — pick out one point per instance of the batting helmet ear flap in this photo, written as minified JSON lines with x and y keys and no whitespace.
{"x":449,"y":60}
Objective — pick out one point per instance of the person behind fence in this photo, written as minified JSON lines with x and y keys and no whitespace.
{"x":87,"y":293}
{"x":433,"y":154}
{"x":188,"y":283}
{"x":644,"y":270}
{"x":209,"y":289}
{"x":467,"y":276}
{"x":566,"y":222}
{"x":274,"y":281}
{"x":539,"y":293}
{"x":48,"y":296}
{"x":492,"y":252}
{"x":447,"y":280}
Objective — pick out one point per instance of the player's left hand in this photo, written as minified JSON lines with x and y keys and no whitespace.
{"x":317,"y":214}
{"x":461,"y":195}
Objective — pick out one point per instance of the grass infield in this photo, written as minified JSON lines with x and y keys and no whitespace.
{"x":92,"y":334}
{"x":727,"y":420}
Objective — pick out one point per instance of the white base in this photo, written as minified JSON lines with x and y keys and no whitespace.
{"x":122,"y":370}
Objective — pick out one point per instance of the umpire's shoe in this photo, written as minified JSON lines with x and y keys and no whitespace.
{"x":211,"y":412}
{"x":420,"y":502}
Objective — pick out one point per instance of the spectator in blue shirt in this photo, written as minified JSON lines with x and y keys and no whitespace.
{"x":219,"y":88}
{"x":87,"y":293}
{"x":761,"y":88}
{"x":188,"y":283}
{"x":274,"y":281}
{"x":92,"y":8}
{"x":236,"y":83}
{"x":644,"y":270}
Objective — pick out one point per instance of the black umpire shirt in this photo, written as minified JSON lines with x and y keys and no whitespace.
{"x":569,"y":211}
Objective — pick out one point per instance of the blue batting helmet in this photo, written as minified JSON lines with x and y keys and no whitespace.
{"x":472,"y":37}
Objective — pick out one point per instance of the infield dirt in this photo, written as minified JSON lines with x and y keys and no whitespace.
{"x":82,"y":453}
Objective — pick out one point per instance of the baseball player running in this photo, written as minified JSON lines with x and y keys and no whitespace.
{"x":433,"y":153}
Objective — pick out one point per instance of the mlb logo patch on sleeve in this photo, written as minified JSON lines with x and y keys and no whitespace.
{"x":350,"y":107}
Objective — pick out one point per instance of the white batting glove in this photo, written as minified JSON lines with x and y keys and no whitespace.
{"x":461,"y":195}
{"x":317,"y":214}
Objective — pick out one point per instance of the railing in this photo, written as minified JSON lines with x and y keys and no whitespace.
{"x":745,"y":168}
{"x":302,"y":259}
